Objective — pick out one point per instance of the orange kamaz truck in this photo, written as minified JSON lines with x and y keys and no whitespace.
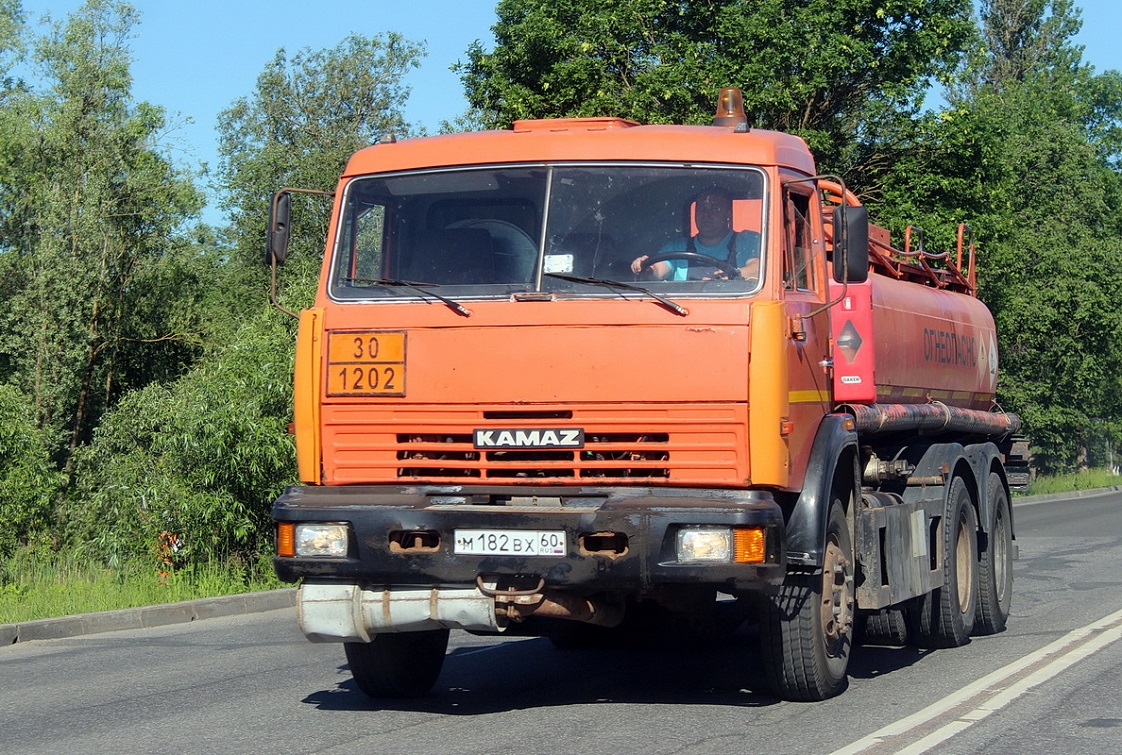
{"x":587,"y":379}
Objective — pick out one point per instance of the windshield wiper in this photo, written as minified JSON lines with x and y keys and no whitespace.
{"x":674,"y":307}
{"x":421,"y":288}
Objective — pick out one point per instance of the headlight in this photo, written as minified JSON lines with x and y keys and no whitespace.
{"x":704,"y":545}
{"x":722,"y":545}
{"x":322,"y":540}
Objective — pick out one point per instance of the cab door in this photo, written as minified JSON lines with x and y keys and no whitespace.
{"x":805,"y":292}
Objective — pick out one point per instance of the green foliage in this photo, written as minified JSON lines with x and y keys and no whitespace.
{"x":306,"y":117}
{"x":201,"y":458}
{"x":824,"y":69}
{"x":145,"y":367}
{"x":96,"y":209}
{"x":28,"y":484}
{"x":1025,"y":154}
{"x":1087,"y":479}
{"x":11,"y":31}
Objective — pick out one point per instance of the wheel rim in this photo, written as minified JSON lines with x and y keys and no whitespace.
{"x":837,"y":597}
{"x":964,"y":566}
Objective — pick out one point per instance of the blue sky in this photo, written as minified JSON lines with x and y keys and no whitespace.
{"x":195,"y":58}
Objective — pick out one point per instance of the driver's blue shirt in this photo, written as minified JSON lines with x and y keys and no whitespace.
{"x":747,"y":249}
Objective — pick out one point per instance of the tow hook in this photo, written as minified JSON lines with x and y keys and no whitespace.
{"x":517,"y":604}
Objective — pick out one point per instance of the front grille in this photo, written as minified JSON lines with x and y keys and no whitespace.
{"x":608,"y":455}
{"x":437,"y":456}
{"x":688,"y":444}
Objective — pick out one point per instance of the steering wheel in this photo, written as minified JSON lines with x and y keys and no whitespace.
{"x":729,"y":269}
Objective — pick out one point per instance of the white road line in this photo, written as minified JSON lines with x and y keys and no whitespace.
{"x":996,"y":690}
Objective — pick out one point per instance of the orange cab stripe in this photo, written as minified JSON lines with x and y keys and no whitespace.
{"x":768,"y":395}
{"x":306,"y":394}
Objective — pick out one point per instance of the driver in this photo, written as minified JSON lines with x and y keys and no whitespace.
{"x":715,"y":238}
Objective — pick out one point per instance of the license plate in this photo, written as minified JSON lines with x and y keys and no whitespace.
{"x":365,"y":363}
{"x":510,"y":543}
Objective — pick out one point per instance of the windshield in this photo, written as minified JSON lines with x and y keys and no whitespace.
{"x":562,"y":229}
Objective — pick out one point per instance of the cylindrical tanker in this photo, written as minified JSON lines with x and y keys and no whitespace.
{"x":932,"y":345}
{"x":899,"y":343}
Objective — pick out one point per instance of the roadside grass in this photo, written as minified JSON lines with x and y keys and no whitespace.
{"x":41,"y":586}
{"x":1088,"y":479}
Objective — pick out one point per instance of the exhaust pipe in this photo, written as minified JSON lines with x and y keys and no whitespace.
{"x":561,"y":605}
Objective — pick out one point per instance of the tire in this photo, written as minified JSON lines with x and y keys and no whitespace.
{"x":886,"y":627}
{"x":945,"y":616}
{"x":806,"y":632}
{"x":995,"y":570}
{"x":398,"y":664}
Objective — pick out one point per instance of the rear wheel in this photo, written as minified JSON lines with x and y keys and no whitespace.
{"x":995,"y":570}
{"x":807,"y":629}
{"x":886,"y":627}
{"x":402,"y":664}
{"x":945,"y":617}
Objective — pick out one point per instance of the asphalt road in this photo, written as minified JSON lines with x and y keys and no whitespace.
{"x":249,"y":682}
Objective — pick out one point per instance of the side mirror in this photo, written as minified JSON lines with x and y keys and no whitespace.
{"x":280,"y":213}
{"x":851,"y":244}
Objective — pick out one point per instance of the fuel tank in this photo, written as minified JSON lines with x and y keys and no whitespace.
{"x":903,"y":342}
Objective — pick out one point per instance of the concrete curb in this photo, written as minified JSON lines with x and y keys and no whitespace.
{"x":1091,"y":493}
{"x":146,"y":616}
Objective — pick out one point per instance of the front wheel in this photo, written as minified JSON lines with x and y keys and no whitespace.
{"x":402,"y":664}
{"x":807,"y":630}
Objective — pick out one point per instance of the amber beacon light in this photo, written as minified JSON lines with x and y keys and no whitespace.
{"x":730,"y":109}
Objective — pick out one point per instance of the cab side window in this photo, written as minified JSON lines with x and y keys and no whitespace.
{"x":798,"y":263}
{"x":363,"y":238}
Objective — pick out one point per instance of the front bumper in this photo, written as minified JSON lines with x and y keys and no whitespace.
{"x":639,"y":525}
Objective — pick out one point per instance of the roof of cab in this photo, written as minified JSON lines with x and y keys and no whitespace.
{"x":584,"y":139}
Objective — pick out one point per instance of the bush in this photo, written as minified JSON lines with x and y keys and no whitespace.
{"x":28,"y":480}
{"x":188,"y":472}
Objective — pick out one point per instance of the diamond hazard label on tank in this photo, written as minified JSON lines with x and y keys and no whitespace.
{"x":849,"y":342}
{"x":992,"y":362}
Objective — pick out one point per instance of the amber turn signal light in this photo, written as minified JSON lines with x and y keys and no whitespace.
{"x":286,"y":539}
{"x":749,"y":546}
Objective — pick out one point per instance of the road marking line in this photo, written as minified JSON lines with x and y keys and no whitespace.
{"x":988,"y":695}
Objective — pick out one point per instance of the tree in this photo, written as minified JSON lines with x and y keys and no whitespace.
{"x":1025,"y":153}
{"x":94,"y":216}
{"x":828,"y":70}
{"x":1021,"y":39}
{"x":1027,"y":44}
{"x":307,"y":116}
{"x":1056,"y":287}
{"x":203,"y":456}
